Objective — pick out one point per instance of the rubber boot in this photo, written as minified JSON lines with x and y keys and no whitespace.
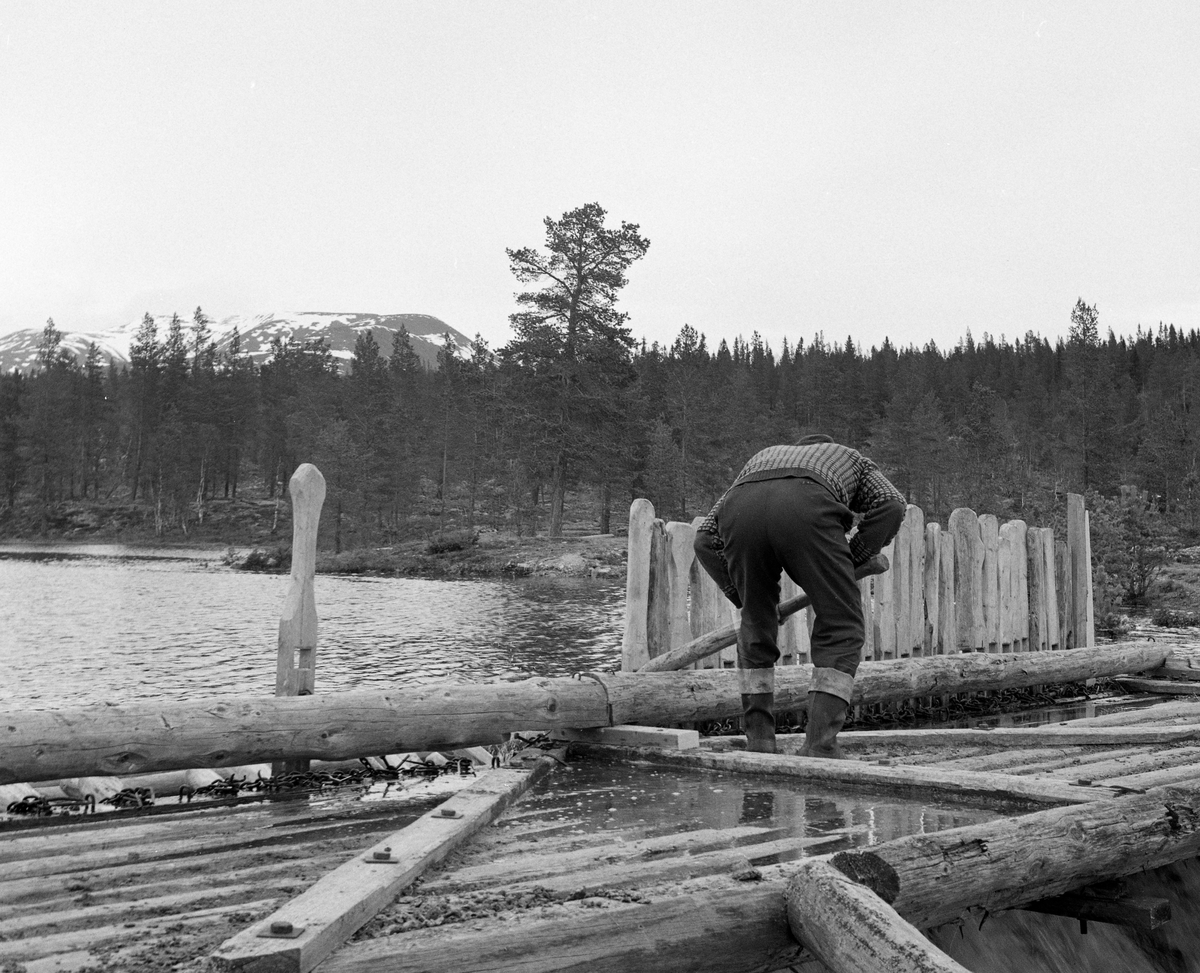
{"x":758,"y":721}
{"x":826,"y":716}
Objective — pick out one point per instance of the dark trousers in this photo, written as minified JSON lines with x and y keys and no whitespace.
{"x":796,"y":525}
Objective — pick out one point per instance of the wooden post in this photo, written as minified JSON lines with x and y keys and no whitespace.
{"x":658,"y":626}
{"x":968,"y":579}
{"x":1053,"y":635}
{"x":1039,"y":630}
{"x":634,"y":652}
{"x":1078,"y":547}
{"x":296,"y":658}
{"x":947,"y":607}
{"x":1020,"y":583}
{"x":867,"y":598}
{"x":989,"y":535}
{"x":885,"y":610}
{"x":1062,"y":581}
{"x":912,"y":577}
{"x":707,"y":608}
{"x":679,"y":559}
{"x":932,"y":583}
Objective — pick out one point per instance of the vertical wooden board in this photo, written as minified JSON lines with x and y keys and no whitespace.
{"x":931,"y":578}
{"x":868,"y":609}
{"x":947,"y":607}
{"x":658,"y":626}
{"x":898,"y":576}
{"x":706,"y":606}
{"x":1053,"y":634}
{"x":1090,"y":615}
{"x":1007,"y":569}
{"x":989,"y":535}
{"x":1020,"y":591}
{"x":968,"y":579}
{"x":885,"y":609}
{"x":679,"y":557}
{"x":787,"y":630}
{"x":296,"y":657}
{"x":1036,"y":569}
{"x":1077,"y":549}
{"x":634,"y":652}
{"x":1062,"y":582}
{"x":733,"y":616}
{"x":914,"y":571}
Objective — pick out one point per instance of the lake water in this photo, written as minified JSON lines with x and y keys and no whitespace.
{"x":105,"y":623}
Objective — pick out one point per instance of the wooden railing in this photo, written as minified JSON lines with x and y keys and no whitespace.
{"x":974,"y":586}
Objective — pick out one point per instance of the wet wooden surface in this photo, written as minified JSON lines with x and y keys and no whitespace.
{"x":590,"y":848}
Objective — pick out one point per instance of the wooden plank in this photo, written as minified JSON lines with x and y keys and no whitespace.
{"x":1035,"y":556}
{"x":885,"y":610}
{"x":670,"y":738}
{"x":786,"y":641}
{"x":1064,"y":585}
{"x":708,"y":609}
{"x":680,"y":556}
{"x":867,"y":600}
{"x":1174,"y":669}
{"x":1144,"y":913}
{"x":634,"y":651}
{"x":947,"y":608}
{"x":1048,"y":736}
{"x":849,"y":928}
{"x":1053,"y":631}
{"x":1081,"y":568}
{"x":330,"y":911}
{"x":1163,"y":687}
{"x":914,"y":578}
{"x":968,"y":579}
{"x":900,"y":558}
{"x":1020,"y":580}
{"x":658,"y":625}
{"x":989,"y":535}
{"x":932,"y":589}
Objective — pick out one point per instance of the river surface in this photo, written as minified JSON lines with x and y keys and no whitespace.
{"x":106,"y":623}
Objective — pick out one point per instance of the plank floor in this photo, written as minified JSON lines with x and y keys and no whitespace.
{"x":602,"y":835}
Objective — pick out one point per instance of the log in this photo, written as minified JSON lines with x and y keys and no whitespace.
{"x":331,"y":910}
{"x":146,"y":737}
{"x":850,"y":929}
{"x":1000,"y":864}
{"x":712,"y":642}
{"x":296,"y":661}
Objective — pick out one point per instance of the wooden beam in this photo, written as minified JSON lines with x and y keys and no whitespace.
{"x":1143,"y":913}
{"x":634,"y":651}
{"x":1048,"y":736}
{"x":1161,"y":687}
{"x":906,"y":778}
{"x":330,"y":911}
{"x":850,"y":929}
{"x":634,"y":736}
{"x":163,"y":735}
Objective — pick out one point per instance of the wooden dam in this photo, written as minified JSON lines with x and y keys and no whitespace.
{"x":583,"y":823}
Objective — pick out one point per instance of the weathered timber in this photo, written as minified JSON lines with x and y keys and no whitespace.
{"x":928,"y":781}
{"x":1049,"y":736}
{"x":634,"y":650}
{"x":963,"y":527}
{"x":1163,"y":687}
{"x":850,"y":928}
{"x":632,"y":736}
{"x":712,"y":642}
{"x":331,"y":910}
{"x":693,"y":695}
{"x":1174,"y":669}
{"x":146,"y":737}
{"x":1144,"y":913}
{"x":296,"y":660}
{"x":997,"y":865}
{"x":990,"y":594}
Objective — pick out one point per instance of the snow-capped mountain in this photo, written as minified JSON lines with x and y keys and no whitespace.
{"x":19,"y":349}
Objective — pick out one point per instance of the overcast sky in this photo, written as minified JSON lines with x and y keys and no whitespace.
{"x":909,"y":170}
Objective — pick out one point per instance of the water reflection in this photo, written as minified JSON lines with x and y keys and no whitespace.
{"x":109,"y":627}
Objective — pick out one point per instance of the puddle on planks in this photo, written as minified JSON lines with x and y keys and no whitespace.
{"x":629,"y":801}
